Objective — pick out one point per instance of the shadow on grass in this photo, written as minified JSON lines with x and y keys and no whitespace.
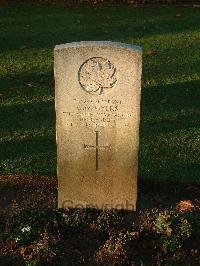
{"x":45,"y":26}
{"x":30,"y":116}
{"x":168,"y":108}
{"x":165,"y":194}
{"x":168,"y":134}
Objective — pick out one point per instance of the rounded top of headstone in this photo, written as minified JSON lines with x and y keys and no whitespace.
{"x":99,"y":44}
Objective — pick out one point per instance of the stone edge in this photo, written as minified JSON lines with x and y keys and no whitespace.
{"x":98,"y":44}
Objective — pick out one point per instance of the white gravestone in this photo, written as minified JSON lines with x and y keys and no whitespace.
{"x":98,"y":87}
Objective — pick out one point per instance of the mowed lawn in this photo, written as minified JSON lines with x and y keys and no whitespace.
{"x":170,"y":107}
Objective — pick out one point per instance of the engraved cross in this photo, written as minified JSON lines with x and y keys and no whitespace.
{"x":97,"y":147}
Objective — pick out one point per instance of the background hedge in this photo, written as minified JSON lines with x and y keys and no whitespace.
{"x":134,"y":2}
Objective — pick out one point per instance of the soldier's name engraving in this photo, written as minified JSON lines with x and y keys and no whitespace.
{"x":98,"y":108}
{"x":103,"y":113}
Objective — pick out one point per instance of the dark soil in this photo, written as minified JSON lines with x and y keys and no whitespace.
{"x":20,"y":191}
{"x":95,"y":237}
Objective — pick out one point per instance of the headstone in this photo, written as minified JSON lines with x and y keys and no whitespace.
{"x":98,"y":88}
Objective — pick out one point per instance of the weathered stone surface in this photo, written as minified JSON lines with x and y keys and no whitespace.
{"x":97,"y":119}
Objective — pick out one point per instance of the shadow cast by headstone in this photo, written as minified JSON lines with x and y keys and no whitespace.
{"x":165,"y":194}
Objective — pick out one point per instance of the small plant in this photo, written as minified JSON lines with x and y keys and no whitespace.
{"x":185,"y":229}
{"x":162,"y":224}
{"x":173,"y":230}
{"x":115,"y":250}
{"x":31,"y":263}
{"x":170,"y":243}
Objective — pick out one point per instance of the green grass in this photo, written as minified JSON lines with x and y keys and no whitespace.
{"x":170,"y":107}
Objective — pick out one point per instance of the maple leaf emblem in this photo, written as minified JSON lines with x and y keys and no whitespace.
{"x":97,"y":75}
